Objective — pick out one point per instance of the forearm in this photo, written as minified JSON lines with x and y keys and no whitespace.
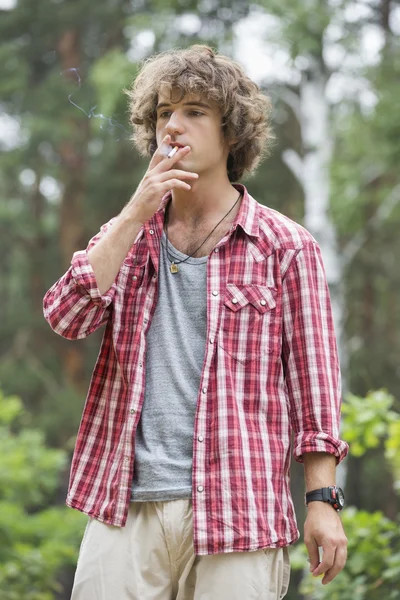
{"x":319,"y":470}
{"x":69,"y":307}
{"x":107,"y":256}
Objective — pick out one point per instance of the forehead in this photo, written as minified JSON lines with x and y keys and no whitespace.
{"x":178,"y":96}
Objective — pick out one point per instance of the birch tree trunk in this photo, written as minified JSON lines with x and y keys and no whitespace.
{"x":313,"y":172}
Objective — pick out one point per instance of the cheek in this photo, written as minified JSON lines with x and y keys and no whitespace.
{"x":160,"y":131}
{"x":159,"y":136}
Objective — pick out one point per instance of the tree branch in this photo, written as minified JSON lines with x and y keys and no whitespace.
{"x":292,"y":100}
{"x":382,"y":213}
{"x":295,"y":163}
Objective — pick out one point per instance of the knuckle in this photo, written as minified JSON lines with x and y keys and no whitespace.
{"x":307,"y":539}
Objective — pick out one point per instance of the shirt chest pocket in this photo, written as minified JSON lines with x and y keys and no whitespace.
{"x":249,"y":325}
{"x":132,"y":272}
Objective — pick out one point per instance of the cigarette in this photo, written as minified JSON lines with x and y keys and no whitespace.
{"x":172,"y":152}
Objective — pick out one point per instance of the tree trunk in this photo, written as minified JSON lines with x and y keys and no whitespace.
{"x":72,"y":153}
{"x":313,"y":172}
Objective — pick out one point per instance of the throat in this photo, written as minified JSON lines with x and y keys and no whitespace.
{"x":198,"y":240}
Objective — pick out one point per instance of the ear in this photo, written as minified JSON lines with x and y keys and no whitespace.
{"x":233,"y":142}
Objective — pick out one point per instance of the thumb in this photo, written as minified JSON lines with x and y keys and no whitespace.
{"x":313,"y":553}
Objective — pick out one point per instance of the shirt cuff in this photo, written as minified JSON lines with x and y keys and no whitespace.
{"x":84,"y":277}
{"x":319,"y":442}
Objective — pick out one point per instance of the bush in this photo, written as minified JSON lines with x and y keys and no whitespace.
{"x":372,"y":571}
{"x":36,"y":541}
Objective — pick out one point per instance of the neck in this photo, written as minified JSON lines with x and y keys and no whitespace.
{"x":204,"y":203}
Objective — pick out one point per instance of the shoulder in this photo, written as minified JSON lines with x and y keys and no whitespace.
{"x":281,"y":232}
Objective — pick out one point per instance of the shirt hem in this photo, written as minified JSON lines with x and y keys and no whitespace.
{"x":281,"y":543}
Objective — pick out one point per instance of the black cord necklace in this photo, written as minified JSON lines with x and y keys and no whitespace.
{"x":174,"y":265}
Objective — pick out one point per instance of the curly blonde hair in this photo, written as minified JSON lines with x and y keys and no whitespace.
{"x":245,"y":110}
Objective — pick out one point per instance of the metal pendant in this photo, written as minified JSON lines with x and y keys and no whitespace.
{"x":173,"y":268}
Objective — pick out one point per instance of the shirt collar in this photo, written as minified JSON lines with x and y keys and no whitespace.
{"x":247,"y":216}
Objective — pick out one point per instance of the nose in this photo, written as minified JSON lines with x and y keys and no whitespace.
{"x":174,"y":125}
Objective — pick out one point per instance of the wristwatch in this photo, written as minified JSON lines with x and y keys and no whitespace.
{"x":333,"y":495}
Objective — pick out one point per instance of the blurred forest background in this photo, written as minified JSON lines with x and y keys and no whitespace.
{"x":332,"y":69}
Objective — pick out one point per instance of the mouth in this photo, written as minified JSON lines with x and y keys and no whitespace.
{"x":175,"y":147}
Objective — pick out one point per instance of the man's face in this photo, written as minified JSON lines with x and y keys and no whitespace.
{"x":194,"y":122}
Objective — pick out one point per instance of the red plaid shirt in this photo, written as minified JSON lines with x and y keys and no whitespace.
{"x":270,"y":367}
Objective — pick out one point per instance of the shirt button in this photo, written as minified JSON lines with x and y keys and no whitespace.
{"x":200,"y":488}
{"x":216,"y":249}
{"x":234,"y":300}
{"x":134,"y":278}
{"x":154,"y":276}
{"x":145,"y":321}
{"x":151,"y":231}
{"x":140,"y":365}
{"x":263,"y":302}
{"x":200,"y":438}
{"x":204,"y":390}
{"x":211,"y":340}
{"x":126,"y":459}
{"x":133,"y":411}
{"x":215,"y":293}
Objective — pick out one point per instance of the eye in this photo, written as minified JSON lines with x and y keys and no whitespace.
{"x":164,"y":114}
{"x":196,"y":113}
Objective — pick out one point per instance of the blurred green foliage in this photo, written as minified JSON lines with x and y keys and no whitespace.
{"x":367,"y":421}
{"x":36,"y":542}
{"x":372,"y":571}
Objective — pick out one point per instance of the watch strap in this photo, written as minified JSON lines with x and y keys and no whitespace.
{"x":327,"y":494}
{"x":323,"y":495}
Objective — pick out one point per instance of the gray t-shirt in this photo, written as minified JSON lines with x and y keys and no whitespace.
{"x":174,"y":361}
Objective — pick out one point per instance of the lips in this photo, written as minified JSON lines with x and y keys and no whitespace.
{"x":177,"y":145}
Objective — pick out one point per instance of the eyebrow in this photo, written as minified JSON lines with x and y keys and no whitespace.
{"x":165,"y":104}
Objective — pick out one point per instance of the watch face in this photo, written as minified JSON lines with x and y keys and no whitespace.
{"x":340,"y":496}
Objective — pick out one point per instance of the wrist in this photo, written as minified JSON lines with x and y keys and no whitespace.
{"x":332,"y":495}
{"x":131,"y":219}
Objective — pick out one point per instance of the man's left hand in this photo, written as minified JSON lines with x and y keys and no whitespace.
{"x":323,"y":528}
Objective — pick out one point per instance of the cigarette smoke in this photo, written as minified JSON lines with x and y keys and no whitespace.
{"x":110,"y":124}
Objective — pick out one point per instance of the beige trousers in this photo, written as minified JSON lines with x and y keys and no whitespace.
{"x":152,"y":558}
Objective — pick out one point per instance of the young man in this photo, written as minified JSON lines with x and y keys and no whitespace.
{"x":218,"y":344}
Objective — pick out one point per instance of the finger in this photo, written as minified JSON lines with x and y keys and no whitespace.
{"x":177,"y":174}
{"x":167,"y":163}
{"x":172,"y":184}
{"x":338,"y":565}
{"x":159,"y":154}
{"x":161,"y":160}
{"x":328,"y":558}
{"x":312,"y":548}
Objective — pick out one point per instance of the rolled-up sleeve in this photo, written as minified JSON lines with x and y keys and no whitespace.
{"x":73,"y":306}
{"x":310,"y":357}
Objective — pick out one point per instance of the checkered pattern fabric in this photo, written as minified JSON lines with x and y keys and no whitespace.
{"x":270,"y":369}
